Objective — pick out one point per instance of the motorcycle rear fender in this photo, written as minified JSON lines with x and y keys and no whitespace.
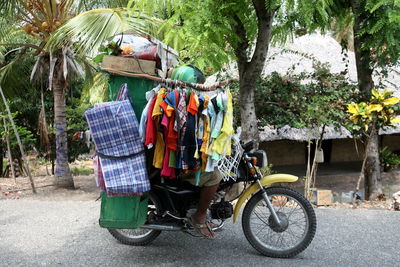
{"x":265,"y":181}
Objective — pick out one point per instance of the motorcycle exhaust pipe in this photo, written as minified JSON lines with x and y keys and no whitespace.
{"x":162,"y":227}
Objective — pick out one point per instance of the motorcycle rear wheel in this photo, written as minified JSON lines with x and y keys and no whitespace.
{"x":279,"y":241}
{"x":139,"y":236}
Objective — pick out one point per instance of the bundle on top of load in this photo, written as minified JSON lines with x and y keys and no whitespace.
{"x":138,"y":54}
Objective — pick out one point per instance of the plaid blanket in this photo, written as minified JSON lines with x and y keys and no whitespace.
{"x":115,"y":132}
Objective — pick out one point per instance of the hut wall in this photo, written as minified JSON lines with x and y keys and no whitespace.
{"x":344,"y":150}
{"x":287,"y":152}
{"x":392,"y":141}
{"x":284,"y":152}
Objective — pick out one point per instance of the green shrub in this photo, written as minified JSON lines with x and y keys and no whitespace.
{"x":389,"y":160}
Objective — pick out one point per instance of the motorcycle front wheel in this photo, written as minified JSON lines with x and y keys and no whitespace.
{"x":292,"y":235}
{"x":139,"y":236}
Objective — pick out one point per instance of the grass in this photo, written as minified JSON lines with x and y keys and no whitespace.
{"x":81,"y":170}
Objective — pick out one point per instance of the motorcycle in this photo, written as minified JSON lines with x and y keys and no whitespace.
{"x":277,"y":221}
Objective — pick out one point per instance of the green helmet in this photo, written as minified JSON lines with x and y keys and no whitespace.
{"x":189,"y":74}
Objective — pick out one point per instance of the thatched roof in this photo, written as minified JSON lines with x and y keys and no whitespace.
{"x":270,"y":133}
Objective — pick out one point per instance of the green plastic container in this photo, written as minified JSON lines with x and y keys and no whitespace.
{"x":189,"y":74}
{"x":126,"y":212}
{"x":137,"y":90}
{"x":123,"y":212}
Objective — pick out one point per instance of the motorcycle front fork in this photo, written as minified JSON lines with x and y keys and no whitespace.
{"x":269,"y":204}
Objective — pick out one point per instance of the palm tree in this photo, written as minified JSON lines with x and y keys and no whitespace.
{"x":62,"y":34}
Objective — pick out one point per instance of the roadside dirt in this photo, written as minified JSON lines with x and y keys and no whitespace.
{"x":87,"y":190}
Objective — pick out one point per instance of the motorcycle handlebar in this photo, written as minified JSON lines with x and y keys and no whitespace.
{"x":248,"y":146}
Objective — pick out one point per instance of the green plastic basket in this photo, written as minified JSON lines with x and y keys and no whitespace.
{"x":123,"y":212}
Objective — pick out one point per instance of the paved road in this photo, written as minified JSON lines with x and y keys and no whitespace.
{"x":66,"y":233}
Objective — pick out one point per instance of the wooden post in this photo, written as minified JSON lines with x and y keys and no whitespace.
{"x":10,"y":159}
{"x":24,"y":158}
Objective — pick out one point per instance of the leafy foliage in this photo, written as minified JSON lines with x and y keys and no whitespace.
{"x":111,"y":48}
{"x":380,"y":111}
{"x":87,"y":31}
{"x":379,"y":27}
{"x":204,"y":30}
{"x":304,"y":100}
{"x":389,"y":160}
{"x":26,"y":136}
{"x":76,"y":123}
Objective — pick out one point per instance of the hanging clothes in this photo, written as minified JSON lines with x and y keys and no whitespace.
{"x":219,"y":108}
{"x":190,"y":132}
{"x":151,"y":127}
{"x":189,"y":140}
{"x":156,"y":117}
{"x":143,"y":119}
{"x":167,"y":171}
{"x":222,"y":144}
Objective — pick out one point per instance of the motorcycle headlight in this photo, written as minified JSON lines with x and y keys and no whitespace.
{"x":261,"y":158}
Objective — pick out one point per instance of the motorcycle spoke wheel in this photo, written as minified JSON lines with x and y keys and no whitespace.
{"x":293,"y":235}
{"x":134,"y":233}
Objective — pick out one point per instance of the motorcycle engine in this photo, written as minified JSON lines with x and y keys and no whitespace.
{"x":221,"y":210}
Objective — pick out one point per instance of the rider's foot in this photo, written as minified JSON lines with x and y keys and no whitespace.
{"x":215,"y":227}
{"x":202,"y":226}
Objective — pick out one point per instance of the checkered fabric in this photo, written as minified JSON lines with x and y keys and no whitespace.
{"x":98,"y":173}
{"x":181,"y":112}
{"x":115,"y":132}
{"x":123,"y":93}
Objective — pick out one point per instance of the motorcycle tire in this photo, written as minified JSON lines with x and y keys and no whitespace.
{"x":132,"y":236}
{"x":289,"y":199}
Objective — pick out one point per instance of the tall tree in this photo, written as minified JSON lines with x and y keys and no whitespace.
{"x":376,"y":31}
{"x":212,"y":33}
{"x":60,"y":55}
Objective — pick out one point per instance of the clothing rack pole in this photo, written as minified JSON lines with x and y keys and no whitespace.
{"x":177,"y":82}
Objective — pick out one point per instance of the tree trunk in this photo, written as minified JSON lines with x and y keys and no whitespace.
{"x":373,"y":182}
{"x":373,"y":186}
{"x":63,"y":176}
{"x":247,"y":112}
{"x":10,"y":158}
{"x":250,"y":71}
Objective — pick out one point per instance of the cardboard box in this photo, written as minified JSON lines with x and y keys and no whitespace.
{"x":321,"y":197}
{"x":129,"y":64}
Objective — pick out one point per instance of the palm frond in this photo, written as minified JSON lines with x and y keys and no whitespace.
{"x":14,"y":77}
{"x":87,"y":31}
{"x":94,"y":4}
{"x":8,"y":7}
{"x":95,"y":91}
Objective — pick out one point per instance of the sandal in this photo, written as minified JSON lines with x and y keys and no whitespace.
{"x":215,"y":227}
{"x":202,"y":226}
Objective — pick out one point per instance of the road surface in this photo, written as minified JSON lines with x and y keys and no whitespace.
{"x":66,"y":233}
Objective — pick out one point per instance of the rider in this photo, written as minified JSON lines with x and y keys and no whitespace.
{"x":209,"y":182}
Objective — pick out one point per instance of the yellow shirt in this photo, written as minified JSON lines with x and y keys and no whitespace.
{"x":222,"y":144}
{"x":159,"y":150}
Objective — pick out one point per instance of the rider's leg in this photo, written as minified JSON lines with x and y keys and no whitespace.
{"x":209,"y":182}
{"x":206,"y":195}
